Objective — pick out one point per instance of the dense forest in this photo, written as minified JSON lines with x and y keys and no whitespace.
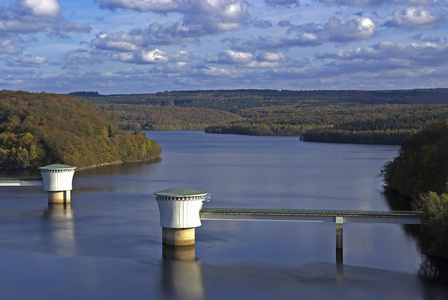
{"x":376,"y":117}
{"x":154,"y":117}
{"x":420,"y":173}
{"x":38,"y":129}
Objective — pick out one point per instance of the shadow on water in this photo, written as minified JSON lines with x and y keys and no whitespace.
{"x":118,"y":169}
{"x":62,"y":239}
{"x":181,"y":273}
{"x":432,"y":241}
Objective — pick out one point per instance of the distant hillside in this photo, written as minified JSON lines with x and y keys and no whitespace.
{"x":235,"y":100}
{"x":377,"y":117}
{"x":37,"y":129}
{"x":154,"y":117}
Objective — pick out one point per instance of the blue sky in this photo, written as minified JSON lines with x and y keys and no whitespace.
{"x":145,"y":46}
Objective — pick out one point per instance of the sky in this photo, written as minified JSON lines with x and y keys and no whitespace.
{"x":147,"y":46}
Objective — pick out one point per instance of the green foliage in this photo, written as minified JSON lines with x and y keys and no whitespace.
{"x":40,"y":129}
{"x":422,"y":165}
{"x":151,"y":117}
{"x":341,"y":123}
{"x":420,"y":172}
{"x":236,"y":100}
{"x":433,"y":206}
{"x":384,"y":117}
{"x":434,"y":231}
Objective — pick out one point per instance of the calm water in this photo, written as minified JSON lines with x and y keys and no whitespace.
{"x":107,"y":244}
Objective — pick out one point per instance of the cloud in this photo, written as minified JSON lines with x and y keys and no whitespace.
{"x":142,"y":57}
{"x":284,"y":23}
{"x":212,"y":16}
{"x":262,"y":24}
{"x":282,"y":2}
{"x":130,"y":71}
{"x":31,"y":16}
{"x":174,"y":33}
{"x":75,"y":59}
{"x":376,"y":2}
{"x":40,"y":8}
{"x":336,"y":30}
{"x":220,"y":72}
{"x":390,"y":55}
{"x":7,"y":46}
{"x":184,"y":56}
{"x":415,"y":17}
{"x":311,"y":35}
{"x":12,"y":22}
{"x":120,"y":41}
{"x":199,"y":17}
{"x":432,"y":39}
{"x":26,"y":61}
{"x":249,"y":60}
{"x":73,"y":27}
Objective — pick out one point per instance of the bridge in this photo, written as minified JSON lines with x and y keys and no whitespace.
{"x":12,"y":181}
{"x":311,"y":215}
{"x":302,"y":215}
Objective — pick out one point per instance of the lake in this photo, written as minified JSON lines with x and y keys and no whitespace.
{"x":107,"y":243}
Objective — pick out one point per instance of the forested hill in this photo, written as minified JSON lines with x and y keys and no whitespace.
{"x":38,"y":129}
{"x":235,"y":100}
{"x":374,"y":117}
{"x":420,"y":173}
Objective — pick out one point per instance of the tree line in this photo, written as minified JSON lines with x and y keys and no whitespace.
{"x":385,"y":117}
{"x":420,"y":173}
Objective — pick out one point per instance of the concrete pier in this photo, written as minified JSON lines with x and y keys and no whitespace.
{"x":339,"y":240}
{"x":178,"y":236}
{"x":179,"y":215}
{"x":57,"y":181}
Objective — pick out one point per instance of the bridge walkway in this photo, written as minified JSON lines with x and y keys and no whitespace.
{"x":308,"y":215}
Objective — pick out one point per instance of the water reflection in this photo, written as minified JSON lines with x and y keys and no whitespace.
{"x":430,"y":238}
{"x":181,"y":273}
{"x":62,"y":233}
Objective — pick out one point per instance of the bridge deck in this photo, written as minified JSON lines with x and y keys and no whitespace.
{"x":13,"y":181}
{"x":303,"y":215}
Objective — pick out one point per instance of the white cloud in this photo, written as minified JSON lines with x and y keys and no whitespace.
{"x":75,"y":59}
{"x":42,"y":8}
{"x":155,"y":56}
{"x":211,"y":16}
{"x":415,"y":17}
{"x":130,"y":71}
{"x":120,"y":41}
{"x":376,"y":2}
{"x":238,"y":57}
{"x":249,"y":60}
{"x":7,"y":46}
{"x":142,"y":57}
{"x":337,"y":30}
{"x":282,"y":2}
{"x":14,"y":26}
{"x":184,"y":56}
{"x":26,"y":61}
{"x":273,"y":56}
{"x":220,"y":72}
{"x":48,"y":75}
{"x":390,"y":55}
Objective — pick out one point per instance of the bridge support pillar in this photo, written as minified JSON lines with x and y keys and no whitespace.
{"x":339,"y":240}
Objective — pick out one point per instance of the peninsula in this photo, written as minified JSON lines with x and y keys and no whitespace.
{"x":38,"y":129}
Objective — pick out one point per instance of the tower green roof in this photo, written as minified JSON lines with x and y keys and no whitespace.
{"x":56,"y":166}
{"x":180,"y":192}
